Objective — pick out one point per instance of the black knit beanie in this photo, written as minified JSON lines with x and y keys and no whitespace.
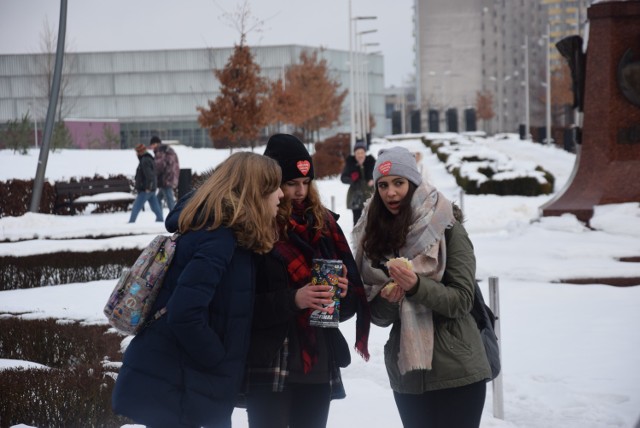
{"x":292,"y":156}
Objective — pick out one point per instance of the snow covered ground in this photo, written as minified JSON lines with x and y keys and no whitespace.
{"x":570,"y":352}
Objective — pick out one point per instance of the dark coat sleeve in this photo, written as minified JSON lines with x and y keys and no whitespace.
{"x":369,"y":164}
{"x":148,"y":172}
{"x":171,"y":222}
{"x":188,"y":307}
{"x":350,"y":166}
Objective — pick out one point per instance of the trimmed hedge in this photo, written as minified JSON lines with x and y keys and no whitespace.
{"x":63,"y":268}
{"x":76,"y":397}
{"x":75,"y":391}
{"x":524,"y":185}
{"x":57,"y":345}
{"x":15,"y":198}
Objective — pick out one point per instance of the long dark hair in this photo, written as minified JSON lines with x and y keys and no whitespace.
{"x":386,"y":233}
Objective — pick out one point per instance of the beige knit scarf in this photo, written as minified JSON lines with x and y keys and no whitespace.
{"x":426,"y":248}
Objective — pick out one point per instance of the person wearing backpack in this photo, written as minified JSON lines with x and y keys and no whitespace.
{"x":422,"y":283}
{"x":185,"y":369}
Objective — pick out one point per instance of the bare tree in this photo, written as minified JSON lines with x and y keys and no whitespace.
{"x":66,"y":100}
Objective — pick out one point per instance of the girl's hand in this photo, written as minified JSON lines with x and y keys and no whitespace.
{"x":314,"y":296}
{"x":343,"y":283}
{"x":392,"y":292}
{"x":403,"y":276}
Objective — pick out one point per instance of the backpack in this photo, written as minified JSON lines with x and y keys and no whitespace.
{"x":486,"y":320}
{"x":129,"y":306}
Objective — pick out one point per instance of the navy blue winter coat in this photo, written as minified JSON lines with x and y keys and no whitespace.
{"x":186,"y":368}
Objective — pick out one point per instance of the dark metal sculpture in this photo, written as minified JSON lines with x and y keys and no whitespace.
{"x":629,"y":77}
{"x":571,"y":49}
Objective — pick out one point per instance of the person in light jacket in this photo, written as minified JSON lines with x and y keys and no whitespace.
{"x":435,"y":358}
{"x":186,"y":368}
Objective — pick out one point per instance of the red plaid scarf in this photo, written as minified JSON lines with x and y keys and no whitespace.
{"x":296,"y":250}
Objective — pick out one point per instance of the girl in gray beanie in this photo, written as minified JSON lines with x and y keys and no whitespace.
{"x":418,"y":268}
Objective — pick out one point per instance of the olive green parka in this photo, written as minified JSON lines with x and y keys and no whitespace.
{"x":458,"y":353}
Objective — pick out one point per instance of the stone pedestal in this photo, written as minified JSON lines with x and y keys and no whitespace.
{"x":607,"y":169}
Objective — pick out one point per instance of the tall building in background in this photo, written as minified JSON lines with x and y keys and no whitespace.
{"x":448,"y":62}
{"x":466,"y":47}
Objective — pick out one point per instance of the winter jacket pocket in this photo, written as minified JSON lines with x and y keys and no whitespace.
{"x":450,"y":336}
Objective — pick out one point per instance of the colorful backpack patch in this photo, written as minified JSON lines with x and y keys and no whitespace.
{"x":129,"y":306}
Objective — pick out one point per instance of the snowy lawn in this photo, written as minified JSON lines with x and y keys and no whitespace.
{"x":570,"y":352}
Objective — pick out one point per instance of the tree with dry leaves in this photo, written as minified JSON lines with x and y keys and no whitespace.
{"x":484,"y":107}
{"x":308,"y":99}
{"x":236,"y":116}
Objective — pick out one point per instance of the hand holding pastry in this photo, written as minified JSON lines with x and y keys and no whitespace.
{"x":401,"y":271}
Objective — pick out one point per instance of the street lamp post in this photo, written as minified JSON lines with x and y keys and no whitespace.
{"x":352,"y":77}
{"x":527,"y":122}
{"x":367,"y":110}
{"x":362,"y":91}
{"x":548,"y":88}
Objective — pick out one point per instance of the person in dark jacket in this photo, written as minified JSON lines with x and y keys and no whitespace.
{"x":418,"y":267}
{"x":186,"y":368}
{"x":358,"y":174}
{"x":145,"y":185}
{"x":293,"y":369}
{"x":167,"y":170}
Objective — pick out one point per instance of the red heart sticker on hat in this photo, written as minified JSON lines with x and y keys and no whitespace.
{"x":385,"y":167}
{"x":304,"y":167}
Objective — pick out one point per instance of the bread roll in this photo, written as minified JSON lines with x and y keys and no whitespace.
{"x":389,"y":287}
{"x":400,"y":261}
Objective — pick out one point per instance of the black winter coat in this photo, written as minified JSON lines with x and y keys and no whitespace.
{"x":146,"y":174}
{"x":186,"y":368}
{"x":359,"y":190}
{"x":275,"y":314}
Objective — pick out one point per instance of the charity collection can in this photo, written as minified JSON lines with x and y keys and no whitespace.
{"x":327,"y":272}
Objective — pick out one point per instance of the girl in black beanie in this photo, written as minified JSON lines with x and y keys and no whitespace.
{"x":293,"y":368}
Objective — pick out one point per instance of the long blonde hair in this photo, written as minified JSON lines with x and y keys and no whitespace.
{"x":235,"y":196}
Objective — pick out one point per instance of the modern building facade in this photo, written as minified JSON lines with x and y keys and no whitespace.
{"x":448,"y":55}
{"x":157,"y":92}
{"x":466,"y":46}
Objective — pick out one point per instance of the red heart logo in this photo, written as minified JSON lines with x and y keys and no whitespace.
{"x":385,"y":167}
{"x":304,"y":167}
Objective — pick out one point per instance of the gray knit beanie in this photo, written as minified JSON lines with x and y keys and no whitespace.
{"x":397,"y":161}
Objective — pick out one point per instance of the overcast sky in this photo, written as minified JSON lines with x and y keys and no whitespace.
{"x":99,"y":25}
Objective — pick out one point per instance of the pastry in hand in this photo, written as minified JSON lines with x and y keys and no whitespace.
{"x":400,"y":261}
{"x":391,"y":285}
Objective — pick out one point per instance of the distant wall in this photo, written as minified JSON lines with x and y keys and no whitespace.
{"x":94,"y":134}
